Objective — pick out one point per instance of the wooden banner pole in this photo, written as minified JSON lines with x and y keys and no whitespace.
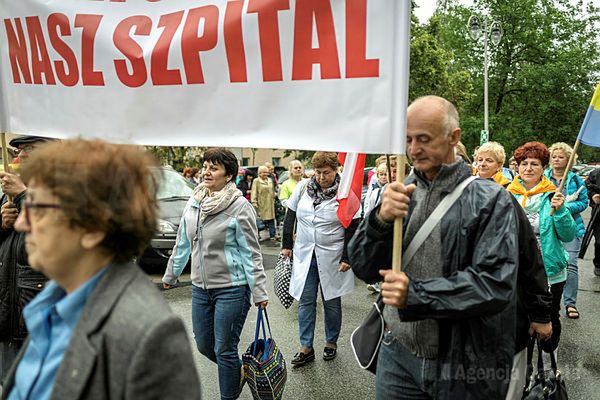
{"x":397,"y":244}
{"x":5,"y":157}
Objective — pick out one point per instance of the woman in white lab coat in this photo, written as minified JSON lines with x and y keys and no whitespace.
{"x":319,"y":254}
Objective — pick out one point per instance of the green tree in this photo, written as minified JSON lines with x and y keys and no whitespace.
{"x":542,"y":74}
{"x":177,"y":157}
{"x":432,"y":66}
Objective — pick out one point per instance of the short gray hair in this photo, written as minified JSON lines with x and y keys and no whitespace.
{"x":452,"y":120}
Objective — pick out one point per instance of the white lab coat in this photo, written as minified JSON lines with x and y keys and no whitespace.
{"x":318,"y":230}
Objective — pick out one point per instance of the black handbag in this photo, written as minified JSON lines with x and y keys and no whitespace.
{"x":544,"y":384}
{"x":366,"y":339}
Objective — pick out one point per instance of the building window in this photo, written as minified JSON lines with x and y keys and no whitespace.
{"x":245,"y":160}
{"x":275,"y":161}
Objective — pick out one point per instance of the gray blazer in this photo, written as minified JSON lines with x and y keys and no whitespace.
{"x":128,"y":344}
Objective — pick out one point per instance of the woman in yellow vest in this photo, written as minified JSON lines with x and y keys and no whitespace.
{"x":550,"y":219}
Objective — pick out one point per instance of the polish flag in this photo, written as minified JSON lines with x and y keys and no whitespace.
{"x":350,"y":190}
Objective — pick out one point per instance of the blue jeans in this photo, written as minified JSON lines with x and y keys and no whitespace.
{"x":401,"y":374}
{"x":270,"y":223}
{"x":218,"y":317}
{"x":572,"y":284}
{"x":307,"y":310}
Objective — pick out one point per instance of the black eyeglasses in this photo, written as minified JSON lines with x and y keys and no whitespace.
{"x":30,"y":205}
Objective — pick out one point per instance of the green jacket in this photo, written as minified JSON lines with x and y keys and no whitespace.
{"x":554,"y":229}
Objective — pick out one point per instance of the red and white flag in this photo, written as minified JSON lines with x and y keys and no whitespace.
{"x":350,"y":190}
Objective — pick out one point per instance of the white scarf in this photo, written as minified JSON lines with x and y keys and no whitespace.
{"x":214,"y":203}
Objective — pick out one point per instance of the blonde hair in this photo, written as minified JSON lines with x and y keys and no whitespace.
{"x":461,"y":151}
{"x":564,"y":147}
{"x":495,"y":148}
{"x":379,"y":160}
{"x":293,"y":163}
{"x":263,"y":168}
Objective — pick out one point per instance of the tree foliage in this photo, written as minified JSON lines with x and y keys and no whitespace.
{"x":541,"y":76}
{"x":178,"y":157}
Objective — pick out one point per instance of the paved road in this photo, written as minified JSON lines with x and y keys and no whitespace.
{"x":578,"y":354}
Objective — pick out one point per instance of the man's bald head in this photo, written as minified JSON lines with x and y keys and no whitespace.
{"x":432,"y":132}
{"x":441,"y":106}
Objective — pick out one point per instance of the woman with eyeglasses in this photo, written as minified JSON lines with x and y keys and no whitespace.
{"x":99,"y":329}
{"x":320,"y":258}
{"x":538,"y":197}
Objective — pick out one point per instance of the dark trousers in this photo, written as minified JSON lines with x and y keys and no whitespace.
{"x":8,"y":354}
{"x":597,"y":247}
{"x":557,"y":293}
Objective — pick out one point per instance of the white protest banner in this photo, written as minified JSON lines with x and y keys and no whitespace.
{"x":295,"y":74}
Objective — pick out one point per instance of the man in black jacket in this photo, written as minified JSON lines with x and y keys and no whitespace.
{"x":450,"y":315}
{"x":18,"y":282}
{"x":534,"y":301}
{"x":593,"y":187}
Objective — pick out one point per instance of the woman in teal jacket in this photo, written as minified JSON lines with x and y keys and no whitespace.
{"x":576,"y":201}
{"x":538,"y":196}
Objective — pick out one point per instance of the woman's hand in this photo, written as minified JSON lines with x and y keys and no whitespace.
{"x":558,"y":200}
{"x":544,"y":331}
{"x":344,"y":267}
{"x":262,"y":304}
{"x":286,"y":253}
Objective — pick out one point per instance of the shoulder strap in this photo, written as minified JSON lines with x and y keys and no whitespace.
{"x":434,"y":219}
{"x":296,"y":220}
{"x":303,"y":190}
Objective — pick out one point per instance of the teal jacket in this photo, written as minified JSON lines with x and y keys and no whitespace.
{"x":577,"y":206}
{"x":555,"y":229}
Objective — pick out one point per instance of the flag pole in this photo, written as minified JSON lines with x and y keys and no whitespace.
{"x":5,"y":156}
{"x":567,"y":169}
{"x":389,"y":168}
{"x":397,"y":244}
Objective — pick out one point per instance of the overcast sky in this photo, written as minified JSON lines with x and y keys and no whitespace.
{"x":427,"y":7}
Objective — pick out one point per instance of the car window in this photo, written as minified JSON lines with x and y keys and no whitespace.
{"x":171,"y":185}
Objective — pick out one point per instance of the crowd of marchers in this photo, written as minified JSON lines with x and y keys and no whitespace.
{"x":79,"y":320}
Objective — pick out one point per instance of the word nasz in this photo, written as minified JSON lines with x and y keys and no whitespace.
{"x":201,"y":29}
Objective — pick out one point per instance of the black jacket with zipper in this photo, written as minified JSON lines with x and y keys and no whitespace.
{"x":534,"y":300}
{"x":19,"y":283}
{"x":474,"y":301}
